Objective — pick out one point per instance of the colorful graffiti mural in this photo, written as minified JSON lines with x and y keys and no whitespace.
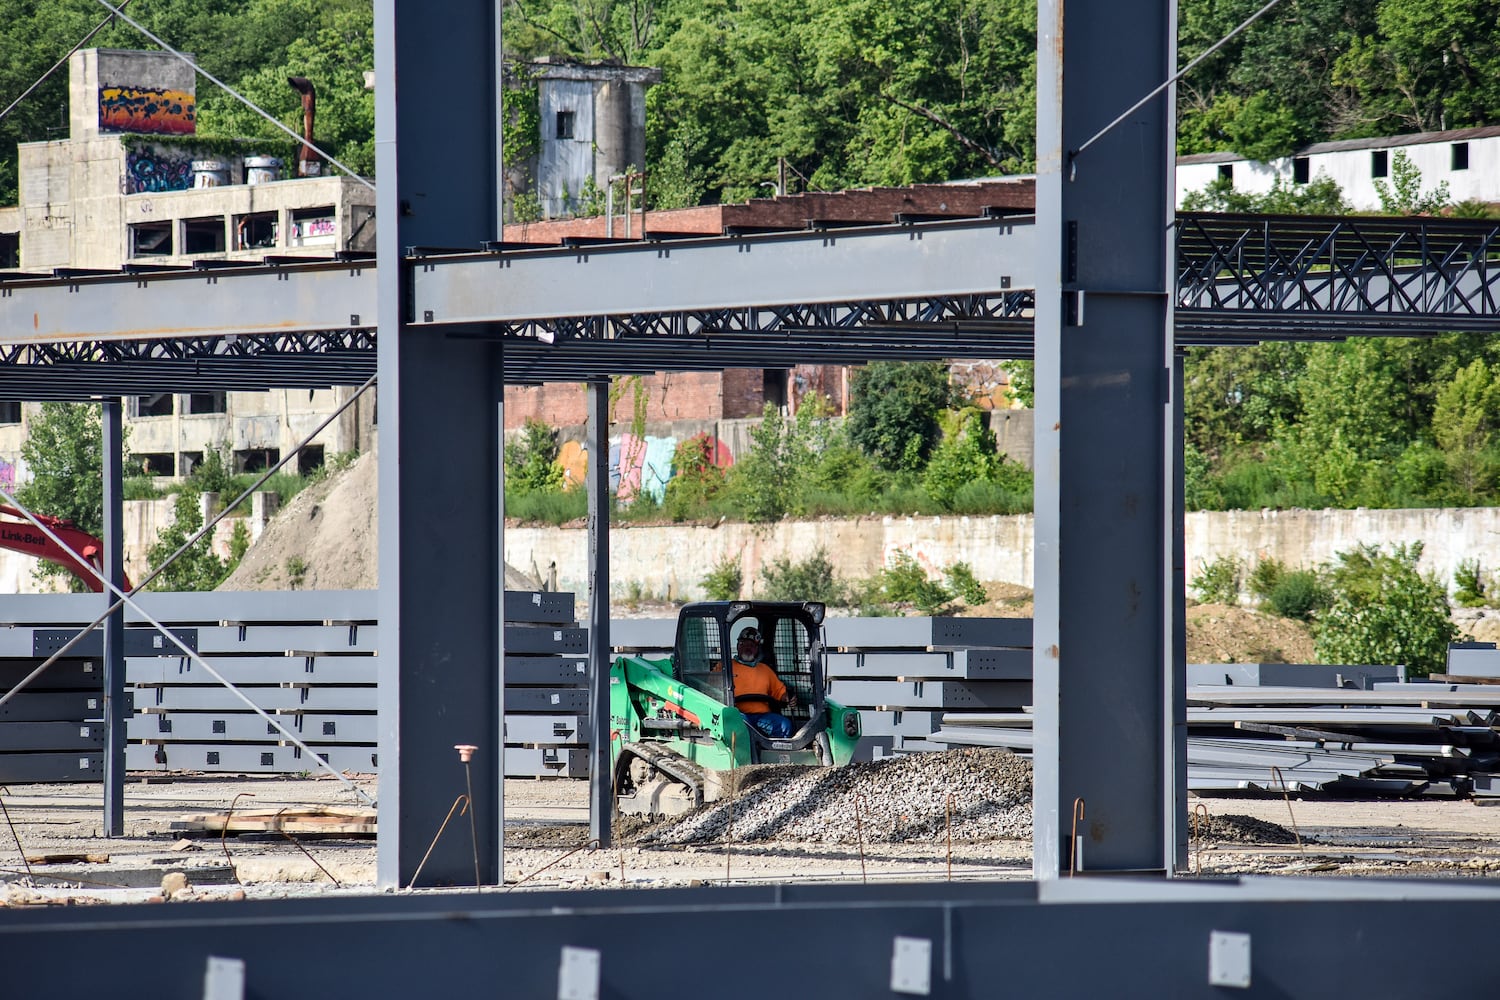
{"x":152,"y":112}
{"x":636,"y":465}
{"x":150,"y":170}
{"x":7,"y":475}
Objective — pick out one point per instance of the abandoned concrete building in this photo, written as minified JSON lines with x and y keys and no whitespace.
{"x":128,"y":188}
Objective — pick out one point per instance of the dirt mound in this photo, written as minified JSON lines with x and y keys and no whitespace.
{"x":323,"y":540}
{"x":1222,"y":633}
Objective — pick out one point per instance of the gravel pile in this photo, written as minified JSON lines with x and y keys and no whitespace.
{"x":887,"y":801}
{"x":1237,"y":829}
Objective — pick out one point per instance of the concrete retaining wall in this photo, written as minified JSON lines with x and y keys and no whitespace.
{"x":672,"y":561}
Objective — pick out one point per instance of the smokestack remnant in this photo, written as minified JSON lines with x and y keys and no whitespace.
{"x":309,"y":164}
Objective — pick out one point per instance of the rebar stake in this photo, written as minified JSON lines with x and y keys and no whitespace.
{"x":21,"y":850}
{"x":950,"y":836}
{"x":1287,"y":797}
{"x":462,"y":800}
{"x":1073,"y":847}
{"x":224,"y":834}
{"x":1200,"y":809}
{"x":466,"y":753}
{"x":859,"y":832}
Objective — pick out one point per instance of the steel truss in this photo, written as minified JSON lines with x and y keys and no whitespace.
{"x":82,"y":370}
{"x":1251,"y":277}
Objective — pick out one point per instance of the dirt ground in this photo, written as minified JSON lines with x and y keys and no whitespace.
{"x":546,"y":834}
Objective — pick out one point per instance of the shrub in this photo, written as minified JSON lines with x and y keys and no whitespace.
{"x":531,"y":461}
{"x":894,"y":408}
{"x":1299,"y":594}
{"x":724,"y":581}
{"x":904,"y":581}
{"x":1468,"y":584}
{"x":812,"y":579}
{"x":696,"y":481}
{"x":962,"y":582}
{"x":1385,"y":611}
{"x":1219,"y":581}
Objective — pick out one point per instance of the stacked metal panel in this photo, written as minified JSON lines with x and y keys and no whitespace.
{"x":1355,"y":730}
{"x":906,"y":674}
{"x":52,"y":730}
{"x":546,"y":687}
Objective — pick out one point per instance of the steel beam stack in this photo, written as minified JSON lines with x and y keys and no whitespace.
{"x":904,"y":674}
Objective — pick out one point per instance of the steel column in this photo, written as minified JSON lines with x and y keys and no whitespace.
{"x":601,"y":801}
{"x":1103,"y":371}
{"x":116,"y":707}
{"x":441,"y":508}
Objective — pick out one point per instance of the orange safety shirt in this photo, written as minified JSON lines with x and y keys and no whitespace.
{"x":759,"y":679}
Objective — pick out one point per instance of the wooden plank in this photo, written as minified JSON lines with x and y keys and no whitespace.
{"x":301,"y":821}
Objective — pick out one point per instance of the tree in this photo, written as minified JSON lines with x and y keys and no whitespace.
{"x":967,"y":454}
{"x":1403,"y":196}
{"x":64,"y":456}
{"x":1464,"y":422}
{"x":196,"y":569}
{"x":894,"y":411}
{"x":335,"y":49}
{"x":1384,"y":610}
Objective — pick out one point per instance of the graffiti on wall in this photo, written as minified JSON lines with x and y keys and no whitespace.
{"x":7,"y":475}
{"x":151,"y":170}
{"x":152,"y":112}
{"x":636,"y":464}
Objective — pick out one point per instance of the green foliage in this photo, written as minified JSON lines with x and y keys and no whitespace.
{"x":531,"y":460}
{"x":1403,"y":195}
{"x":1298,"y":593}
{"x":64,"y":453}
{"x":1384,"y":610}
{"x":296,"y":571}
{"x":895,"y":409}
{"x":198,"y":568}
{"x":334,"y":47}
{"x":1218,"y":582}
{"x":961,"y":580}
{"x":696,"y":480}
{"x":725,"y":580}
{"x":1320,"y":196}
{"x":1022,"y":389}
{"x":967,"y":454}
{"x":812,"y":579}
{"x":1469,"y":586}
{"x":904,"y":581}
{"x":1464,"y":421}
{"x":239,"y":543}
{"x":212,"y":475}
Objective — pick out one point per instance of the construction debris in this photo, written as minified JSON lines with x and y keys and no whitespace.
{"x":326,"y":821}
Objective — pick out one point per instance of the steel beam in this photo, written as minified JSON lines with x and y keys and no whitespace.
{"x":214,"y":304}
{"x":441,"y":596}
{"x":1103,"y":380}
{"x":116,"y":715}
{"x":880,"y":262}
{"x":601,"y":799}
{"x":1305,"y":938}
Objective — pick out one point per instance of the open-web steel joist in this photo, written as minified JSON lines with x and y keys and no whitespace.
{"x":917,"y":291}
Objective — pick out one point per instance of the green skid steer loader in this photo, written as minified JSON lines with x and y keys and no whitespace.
{"x":675,"y":733}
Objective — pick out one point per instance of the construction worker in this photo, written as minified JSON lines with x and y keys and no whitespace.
{"x":757,"y":689}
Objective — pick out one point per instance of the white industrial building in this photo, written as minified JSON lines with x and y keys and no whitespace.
{"x":1467,"y":160}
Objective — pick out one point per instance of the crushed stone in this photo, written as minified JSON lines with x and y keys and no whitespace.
{"x":892,"y":800}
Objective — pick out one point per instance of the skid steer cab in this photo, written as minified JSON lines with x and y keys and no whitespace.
{"x":744,"y":685}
